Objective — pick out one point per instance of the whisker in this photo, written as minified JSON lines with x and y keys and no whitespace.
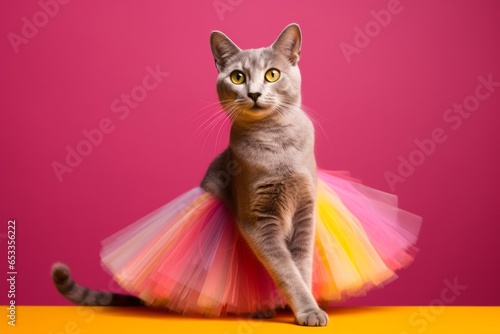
{"x":232,"y":109}
{"x":211,"y":118}
{"x":206,"y":126}
{"x":210,"y":108}
{"x":314,"y":116}
{"x":213,"y":124}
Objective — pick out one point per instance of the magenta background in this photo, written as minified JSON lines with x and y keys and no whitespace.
{"x":371,"y":110}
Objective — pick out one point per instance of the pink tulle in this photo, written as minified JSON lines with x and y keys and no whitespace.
{"x":189,"y":257}
{"x":392,"y":231}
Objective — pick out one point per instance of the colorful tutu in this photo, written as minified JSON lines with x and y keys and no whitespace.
{"x":189,"y":257}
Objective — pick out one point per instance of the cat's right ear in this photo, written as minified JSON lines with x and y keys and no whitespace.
{"x":289,"y":43}
{"x":222,"y":49}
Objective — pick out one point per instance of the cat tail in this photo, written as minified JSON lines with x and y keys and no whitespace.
{"x":81,"y":295}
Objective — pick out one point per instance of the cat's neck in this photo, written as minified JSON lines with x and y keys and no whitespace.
{"x":291,"y":128}
{"x":291,"y":118}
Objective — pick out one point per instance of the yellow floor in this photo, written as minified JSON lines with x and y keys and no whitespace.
{"x":391,"y":320}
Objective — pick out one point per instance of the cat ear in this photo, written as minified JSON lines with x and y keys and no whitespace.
{"x":222,"y":49}
{"x":289,"y":42}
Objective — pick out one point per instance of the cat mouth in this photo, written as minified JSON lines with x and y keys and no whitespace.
{"x":257,"y":107}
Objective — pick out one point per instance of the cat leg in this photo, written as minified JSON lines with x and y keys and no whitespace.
{"x":301,"y":244}
{"x":217,"y":179}
{"x":266,"y":239}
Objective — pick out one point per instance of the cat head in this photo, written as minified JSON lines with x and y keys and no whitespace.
{"x":258,"y":83}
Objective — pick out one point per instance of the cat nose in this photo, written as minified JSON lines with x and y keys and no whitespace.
{"x":254,"y":96}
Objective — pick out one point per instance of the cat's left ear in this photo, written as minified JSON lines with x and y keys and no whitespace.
{"x":289,"y":43}
{"x":222,"y":49}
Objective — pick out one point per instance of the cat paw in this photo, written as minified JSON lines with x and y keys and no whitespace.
{"x":263,"y":314}
{"x":315,"y":317}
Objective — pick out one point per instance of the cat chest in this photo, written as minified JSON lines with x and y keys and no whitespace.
{"x":279,"y":196}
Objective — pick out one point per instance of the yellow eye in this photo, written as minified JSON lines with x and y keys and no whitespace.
{"x":272,"y":75}
{"x":237,"y":77}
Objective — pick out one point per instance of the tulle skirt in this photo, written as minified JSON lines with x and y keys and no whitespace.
{"x":189,"y":257}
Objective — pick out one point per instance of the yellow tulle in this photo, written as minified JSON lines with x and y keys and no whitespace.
{"x":188,"y":256}
{"x":349,"y":261}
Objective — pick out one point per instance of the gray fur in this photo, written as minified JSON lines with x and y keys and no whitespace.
{"x":81,"y":295}
{"x":272,"y":186}
{"x":272,"y":142}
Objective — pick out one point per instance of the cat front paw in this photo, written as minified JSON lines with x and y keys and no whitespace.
{"x":316,"y":317}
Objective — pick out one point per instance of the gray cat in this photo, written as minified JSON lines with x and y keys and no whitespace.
{"x":272,"y":192}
